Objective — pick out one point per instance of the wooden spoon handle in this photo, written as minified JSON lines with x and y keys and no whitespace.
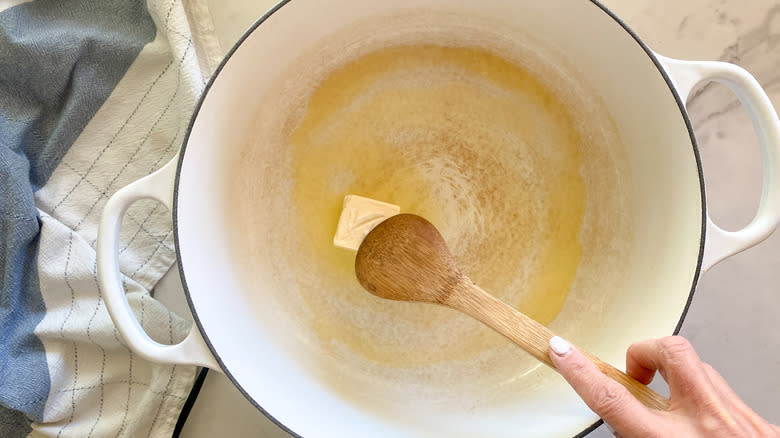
{"x":535,"y":338}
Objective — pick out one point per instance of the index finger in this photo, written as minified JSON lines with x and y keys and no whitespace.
{"x":604,"y":396}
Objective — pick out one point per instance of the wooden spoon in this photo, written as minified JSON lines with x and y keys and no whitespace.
{"x":406,"y":259}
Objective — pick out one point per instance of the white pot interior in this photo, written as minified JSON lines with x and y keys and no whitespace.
{"x":244,"y":253}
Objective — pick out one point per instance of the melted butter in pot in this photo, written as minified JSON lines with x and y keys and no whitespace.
{"x":465,"y":138}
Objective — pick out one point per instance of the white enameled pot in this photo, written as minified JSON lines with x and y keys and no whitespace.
{"x":674,"y":239}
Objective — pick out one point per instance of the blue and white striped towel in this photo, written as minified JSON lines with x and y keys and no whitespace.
{"x":94,"y":94}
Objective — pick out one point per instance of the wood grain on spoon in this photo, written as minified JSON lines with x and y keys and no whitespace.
{"x":405,"y":258}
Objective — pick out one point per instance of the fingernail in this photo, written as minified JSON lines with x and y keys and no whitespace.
{"x":559,"y":345}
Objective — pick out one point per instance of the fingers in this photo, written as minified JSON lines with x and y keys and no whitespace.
{"x":606,"y":397}
{"x":720,"y":384}
{"x":677,"y":361}
{"x":743,"y":414}
{"x":637,"y":370}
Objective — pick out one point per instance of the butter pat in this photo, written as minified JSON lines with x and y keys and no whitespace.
{"x":359,"y":216}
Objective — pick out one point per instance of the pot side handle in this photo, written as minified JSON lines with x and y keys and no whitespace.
{"x":685,"y":75}
{"x":193,"y":349}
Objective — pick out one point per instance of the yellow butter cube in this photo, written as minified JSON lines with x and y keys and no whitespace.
{"x":359,"y":216}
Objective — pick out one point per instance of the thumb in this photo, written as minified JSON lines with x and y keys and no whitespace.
{"x":604,"y":396}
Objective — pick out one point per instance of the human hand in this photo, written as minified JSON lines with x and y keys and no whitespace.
{"x":702,"y":403}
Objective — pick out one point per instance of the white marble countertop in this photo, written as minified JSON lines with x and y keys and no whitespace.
{"x":733,"y":319}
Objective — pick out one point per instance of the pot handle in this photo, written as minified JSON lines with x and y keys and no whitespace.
{"x":685,"y":75}
{"x":158,"y":186}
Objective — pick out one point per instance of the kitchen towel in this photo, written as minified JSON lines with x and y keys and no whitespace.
{"x":94,"y":94}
